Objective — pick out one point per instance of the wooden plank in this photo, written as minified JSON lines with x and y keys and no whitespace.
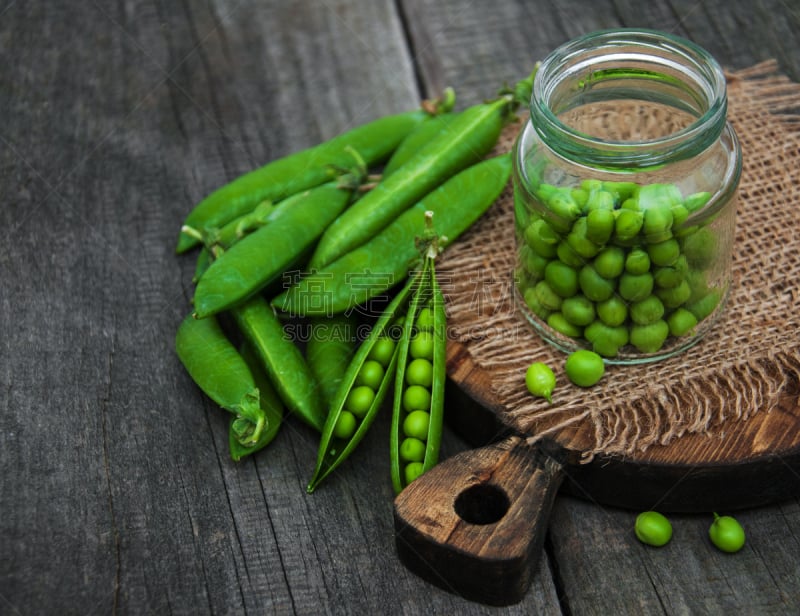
{"x":120,"y":494}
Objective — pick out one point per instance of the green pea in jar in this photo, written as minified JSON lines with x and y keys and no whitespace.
{"x":625,"y":190}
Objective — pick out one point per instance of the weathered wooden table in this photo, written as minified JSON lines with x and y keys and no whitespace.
{"x":116,"y":492}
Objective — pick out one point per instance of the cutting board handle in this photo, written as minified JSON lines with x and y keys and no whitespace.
{"x":475,"y":523}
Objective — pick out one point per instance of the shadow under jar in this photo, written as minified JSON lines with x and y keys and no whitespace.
{"x":625,"y":189}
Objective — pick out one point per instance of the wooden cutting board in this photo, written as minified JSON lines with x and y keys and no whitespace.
{"x":475,"y":524}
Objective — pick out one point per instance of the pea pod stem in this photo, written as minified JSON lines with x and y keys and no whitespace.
{"x":269,"y":402}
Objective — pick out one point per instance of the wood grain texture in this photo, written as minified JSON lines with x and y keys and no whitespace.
{"x":117,"y":493}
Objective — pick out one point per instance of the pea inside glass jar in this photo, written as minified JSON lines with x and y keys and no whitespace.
{"x":625,"y":196}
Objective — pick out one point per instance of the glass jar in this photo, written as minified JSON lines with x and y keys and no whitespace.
{"x":625,"y":190}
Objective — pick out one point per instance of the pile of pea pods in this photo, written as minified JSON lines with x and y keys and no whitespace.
{"x":316,"y":236}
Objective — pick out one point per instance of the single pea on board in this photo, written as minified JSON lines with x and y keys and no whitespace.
{"x":726,"y":533}
{"x":652,"y":528}
{"x":584,"y":368}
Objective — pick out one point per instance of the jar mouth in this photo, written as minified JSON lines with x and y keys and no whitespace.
{"x":660,"y":73}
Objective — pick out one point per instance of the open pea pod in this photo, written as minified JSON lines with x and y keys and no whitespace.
{"x":354,"y":408}
{"x":418,"y":408}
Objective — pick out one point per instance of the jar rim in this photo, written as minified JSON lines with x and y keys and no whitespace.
{"x":688,"y":67}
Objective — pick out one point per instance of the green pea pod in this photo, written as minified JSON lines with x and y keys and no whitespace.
{"x":276,"y":180}
{"x":329,"y":350}
{"x":467,"y":139}
{"x":270,"y":403}
{"x":282,"y":360}
{"x":263,"y":256}
{"x":218,"y":369}
{"x":204,"y":258}
{"x":418,"y":408}
{"x":383,"y":262}
{"x":346,"y":425}
{"x":416,"y":140}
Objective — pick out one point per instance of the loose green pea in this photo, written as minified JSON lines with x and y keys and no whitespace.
{"x":370,"y":374}
{"x":359,"y":400}
{"x":593,"y":285}
{"x":540,"y":380}
{"x":567,"y":254}
{"x":592,"y":185}
{"x":546,"y":296}
{"x":561,"y":278}
{"x":637,"y":261}
{"x":580,"y":196}
{"x":610,"y":262}
{"x":580,"y":242}
{"x":681,"y":322}
{"x":422,"y":346}
{"x":653,"y":528}
{"x":412,"y":450}
{"x":635,"y":287}
{"x":424,"y":320}
{"x":416,"y":397}
{"x":416,"y":424}
{"x":542,"y":239}
{"x":726,"y":533}
{"x":612,"y":311}
{"x":600,"y":225}
{"x":628,"y":224}
{"x":534,"y":263}
{"x":679,"y":215}
{"x":536,"y":307}
{"x":345,"y":426}
{"x":665,"y":252}
{"x":700,"y":248}
{"x":419,"y":372}
{"x":606,"y":340}
{"x":584,"y":368}
{"x":620,"y":190}
{"x":675,"y":296}
{"x":600,"y":200}
{"x":657,"y":223}
{"x":651,"y":337}
{"x":667,"y":277}
{"x":412,"y":471}
{"x":649,"y":310}
{"x":565,"y":209}
{"x":558,"y":322}
{"x":578,"y":310}
{"x":704,"y":306}
{"x":382,"y":351}
{"x":696,"y":201}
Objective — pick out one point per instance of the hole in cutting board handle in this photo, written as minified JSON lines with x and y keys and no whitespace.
{"x":482,"y":504}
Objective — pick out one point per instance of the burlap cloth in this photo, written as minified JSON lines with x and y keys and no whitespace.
{"x":738,"y":369}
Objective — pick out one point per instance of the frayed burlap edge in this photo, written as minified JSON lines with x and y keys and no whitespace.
{"x":739,"y":368}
